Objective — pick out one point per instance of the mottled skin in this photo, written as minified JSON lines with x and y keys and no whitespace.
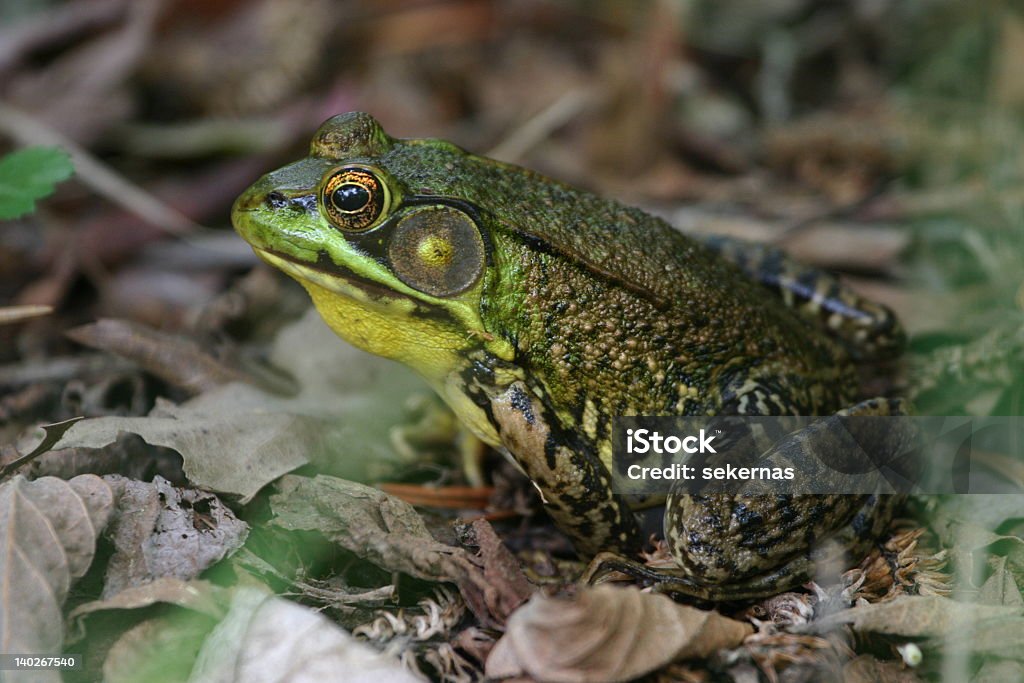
{"x":551,"y":310}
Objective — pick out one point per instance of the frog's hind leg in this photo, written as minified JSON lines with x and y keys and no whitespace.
{"x":738,"y":547}
{"x":868,"y":330}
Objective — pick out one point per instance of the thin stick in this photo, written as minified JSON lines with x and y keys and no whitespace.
{"x":103,"y":180}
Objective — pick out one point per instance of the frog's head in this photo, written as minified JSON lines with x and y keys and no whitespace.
{"x":392,"y":267}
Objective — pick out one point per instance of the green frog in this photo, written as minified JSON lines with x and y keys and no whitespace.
{"x":539,"y":312}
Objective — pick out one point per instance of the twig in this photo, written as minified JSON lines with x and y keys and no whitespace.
{"x":60,"y":369}
{"x":57,"y":24}
{"x":537,"y":128}
{"x":14,"y":314}
{"x":94,"y":173}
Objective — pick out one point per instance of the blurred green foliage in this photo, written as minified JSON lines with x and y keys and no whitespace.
{"x":29,"y":175}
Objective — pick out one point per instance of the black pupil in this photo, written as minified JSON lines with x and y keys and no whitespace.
{"x":351,"y":197}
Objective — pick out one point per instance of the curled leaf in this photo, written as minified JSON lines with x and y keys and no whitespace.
{"x":607,"y":634}
{"x":983,"y":629}
{"x":389,"y":533}
{"x":160,"y":530}
{"x":48,"y":531}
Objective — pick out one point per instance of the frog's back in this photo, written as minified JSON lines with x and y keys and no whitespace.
{"x":612,"y":307}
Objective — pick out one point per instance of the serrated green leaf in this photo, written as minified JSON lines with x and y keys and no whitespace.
{"x":28,"y":175}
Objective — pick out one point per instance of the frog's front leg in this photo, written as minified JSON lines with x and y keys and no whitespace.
{"x":573,"y":483}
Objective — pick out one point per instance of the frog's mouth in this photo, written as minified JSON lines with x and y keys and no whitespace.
{"x":329,"y":275}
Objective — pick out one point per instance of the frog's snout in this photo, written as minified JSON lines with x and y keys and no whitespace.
{"x":257,"y":196}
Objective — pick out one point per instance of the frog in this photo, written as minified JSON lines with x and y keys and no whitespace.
{"x":539,"y":312}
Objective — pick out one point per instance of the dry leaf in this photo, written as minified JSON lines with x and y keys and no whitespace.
{"x":501,"y":568}
{"x":236,"y":438}
{"x":48,"y":531}
{"x":1001,"y":588}
{"x":174,"y":359}
{"x":983,"y":629}
{"x":160,"y":530}
{"x":867,"y":669}
{"x":196,"y":595}
{"x":267,"y":639}
{"x":15,"y":314}
{"x":389,"y":533}
{"x":607,"y":634}
{"x":999,"y":672}
{"x":242,"y":634}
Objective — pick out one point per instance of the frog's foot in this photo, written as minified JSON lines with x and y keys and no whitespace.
{"x":679,"y":581}
{"x":739,"y":546}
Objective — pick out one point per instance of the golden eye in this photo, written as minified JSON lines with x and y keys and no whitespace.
{"x":353,"y":198}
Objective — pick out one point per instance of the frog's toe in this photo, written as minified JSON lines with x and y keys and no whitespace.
{"x":677,"y":581}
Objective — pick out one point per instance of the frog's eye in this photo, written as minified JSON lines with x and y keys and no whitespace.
{"x":437,"y":250}
{"x":353,"y":198}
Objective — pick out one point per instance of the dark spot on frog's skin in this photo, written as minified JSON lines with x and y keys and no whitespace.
{"x":550,"y":449}
{"x":609,"y":515}
{"x":521,"y":402}
{"x":861,"y":525}
{"x":585,"y":527}
{"x":787,"y":512}
{"x":816,"y":513}
{"x":747,"y":517}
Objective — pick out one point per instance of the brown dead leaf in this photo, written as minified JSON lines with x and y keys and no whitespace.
{"x":501,"y":568}
{"x":52,"y":433}
{"x":48,"y":531}
{"x":176,"y":360}
{"x":237,"y":438}
{"x":851,"y":247}
{"x":867,"y":669}
{"x":389,"y":533}
{"x":607,"y":634}
{"x":163,"y":531}
{"x":983,"y":629}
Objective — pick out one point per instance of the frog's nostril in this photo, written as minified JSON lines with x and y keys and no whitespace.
{"x":276,"y":200}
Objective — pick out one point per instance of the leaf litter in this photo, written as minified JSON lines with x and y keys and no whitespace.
{"x":236,"y":438}
{"x":812,"y":127}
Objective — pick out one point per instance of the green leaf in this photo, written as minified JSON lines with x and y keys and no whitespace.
{"x":29,"y":175}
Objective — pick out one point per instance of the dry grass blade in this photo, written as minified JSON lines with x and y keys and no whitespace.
{"x":15,"y":314}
